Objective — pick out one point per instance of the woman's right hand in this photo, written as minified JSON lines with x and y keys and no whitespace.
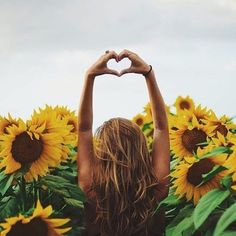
{"x":100,"y":66}
{"x":138,"y":65}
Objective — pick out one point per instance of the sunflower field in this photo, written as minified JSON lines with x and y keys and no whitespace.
{"x":202,"y":196}
{"x":39,"y":194}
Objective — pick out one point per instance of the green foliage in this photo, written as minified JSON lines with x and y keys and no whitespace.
{"x":146,"y":126}
{"x":5,"y":182}
{"x":8,"y":207}
{"x":215,"y":152}
{"x":207,"y":205}
{"x":59,"y":189}
{"x":170,"y":201}
{"x":74,"y":202}
{"x":226,"y":181}
{"x":181,"y":222}
{"x":208,"y":176}
{"x":228,"y":217}
{"x":62,"y":187}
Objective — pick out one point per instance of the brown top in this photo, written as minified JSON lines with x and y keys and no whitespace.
{"x":157,"y":223}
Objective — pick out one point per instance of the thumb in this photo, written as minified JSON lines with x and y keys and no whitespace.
{"x":112,"y":72}
{"x":125,"y":71}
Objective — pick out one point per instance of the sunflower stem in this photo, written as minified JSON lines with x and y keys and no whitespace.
{"x":23,"y":192}
{"x":35,"y":193}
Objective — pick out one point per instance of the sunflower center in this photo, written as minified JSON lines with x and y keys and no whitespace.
{"x":184,"y":105}
{"x":71,"y":122}
{"x":26,"y":150}
{"x":191,"y":138}
{"x":139,"y":121}
{"x":36,"y":227}
{"x":222,"y":129}
{"x":195,"y":172}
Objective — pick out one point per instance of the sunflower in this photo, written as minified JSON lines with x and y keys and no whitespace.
{"x":220,"y":140}
{"x":182,"y":104}
{"x":7,"y":122}
{"x":234,"y":180}
{"x":140,"y":120}
{"x":72,"y":122}
{"x":199,"y":112}
{"x":148,"y":109}
{"x":223,"y":125}
{"x":173,"y":120}
{"x":69,"y":120}
{"x":187,"y":137}
{"x":148,"y":112}
{"x":39,"y":224}
{"x":63,"y":111}
{"x":54,"y":124}
{"x":32,"y":147}
{"x":230,"y":162}
{"x":188,"y":175}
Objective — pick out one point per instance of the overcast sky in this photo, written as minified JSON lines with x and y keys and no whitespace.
{"x":47,"y":46}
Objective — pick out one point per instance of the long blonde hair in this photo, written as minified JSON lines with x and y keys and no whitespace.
{"x":123,"y":179}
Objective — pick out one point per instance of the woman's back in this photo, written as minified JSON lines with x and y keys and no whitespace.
{"x":156,"y":224}
{"x":124,"y":181}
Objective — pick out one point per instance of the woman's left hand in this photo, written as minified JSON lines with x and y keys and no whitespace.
{"x":100,"y":66}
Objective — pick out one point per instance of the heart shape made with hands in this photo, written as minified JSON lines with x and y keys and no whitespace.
{"x":120,"y":65}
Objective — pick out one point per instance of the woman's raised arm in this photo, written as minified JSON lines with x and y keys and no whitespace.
{"x":161,"y":143}
{"x":85,"y":119}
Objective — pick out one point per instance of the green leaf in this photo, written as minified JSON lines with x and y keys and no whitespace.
{"x":2,"y":176}
{"x":171,"y":200}
{"x":6,"y":183}
{"x":173,"y":163}
{"x":207,"y":204}
{"x":185,"y":224}
{"x":228,"y":217}
{"x":233,"y":131}
{"x":63,"y":187}
{"x":8,"y":207}
{"x":228,"y":233}
{"x":190,"y":230}
{"x":74,"y":202}
{"x":215,"y":152}
{"x":146,"y":126}
{"x":183,"y":213}
{"x":55,"y":179}
{"x":206,"y":177}
{"x":226,"y":181}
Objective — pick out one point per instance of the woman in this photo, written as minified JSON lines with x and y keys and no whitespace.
{"x":122,"y":181}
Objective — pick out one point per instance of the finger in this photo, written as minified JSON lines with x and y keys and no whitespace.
{"x":125,"y":53}
{"x":112,"y":72}
{"x":128,"y":51}
{"x":110,"y":55}
{"x":126,"y":71}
